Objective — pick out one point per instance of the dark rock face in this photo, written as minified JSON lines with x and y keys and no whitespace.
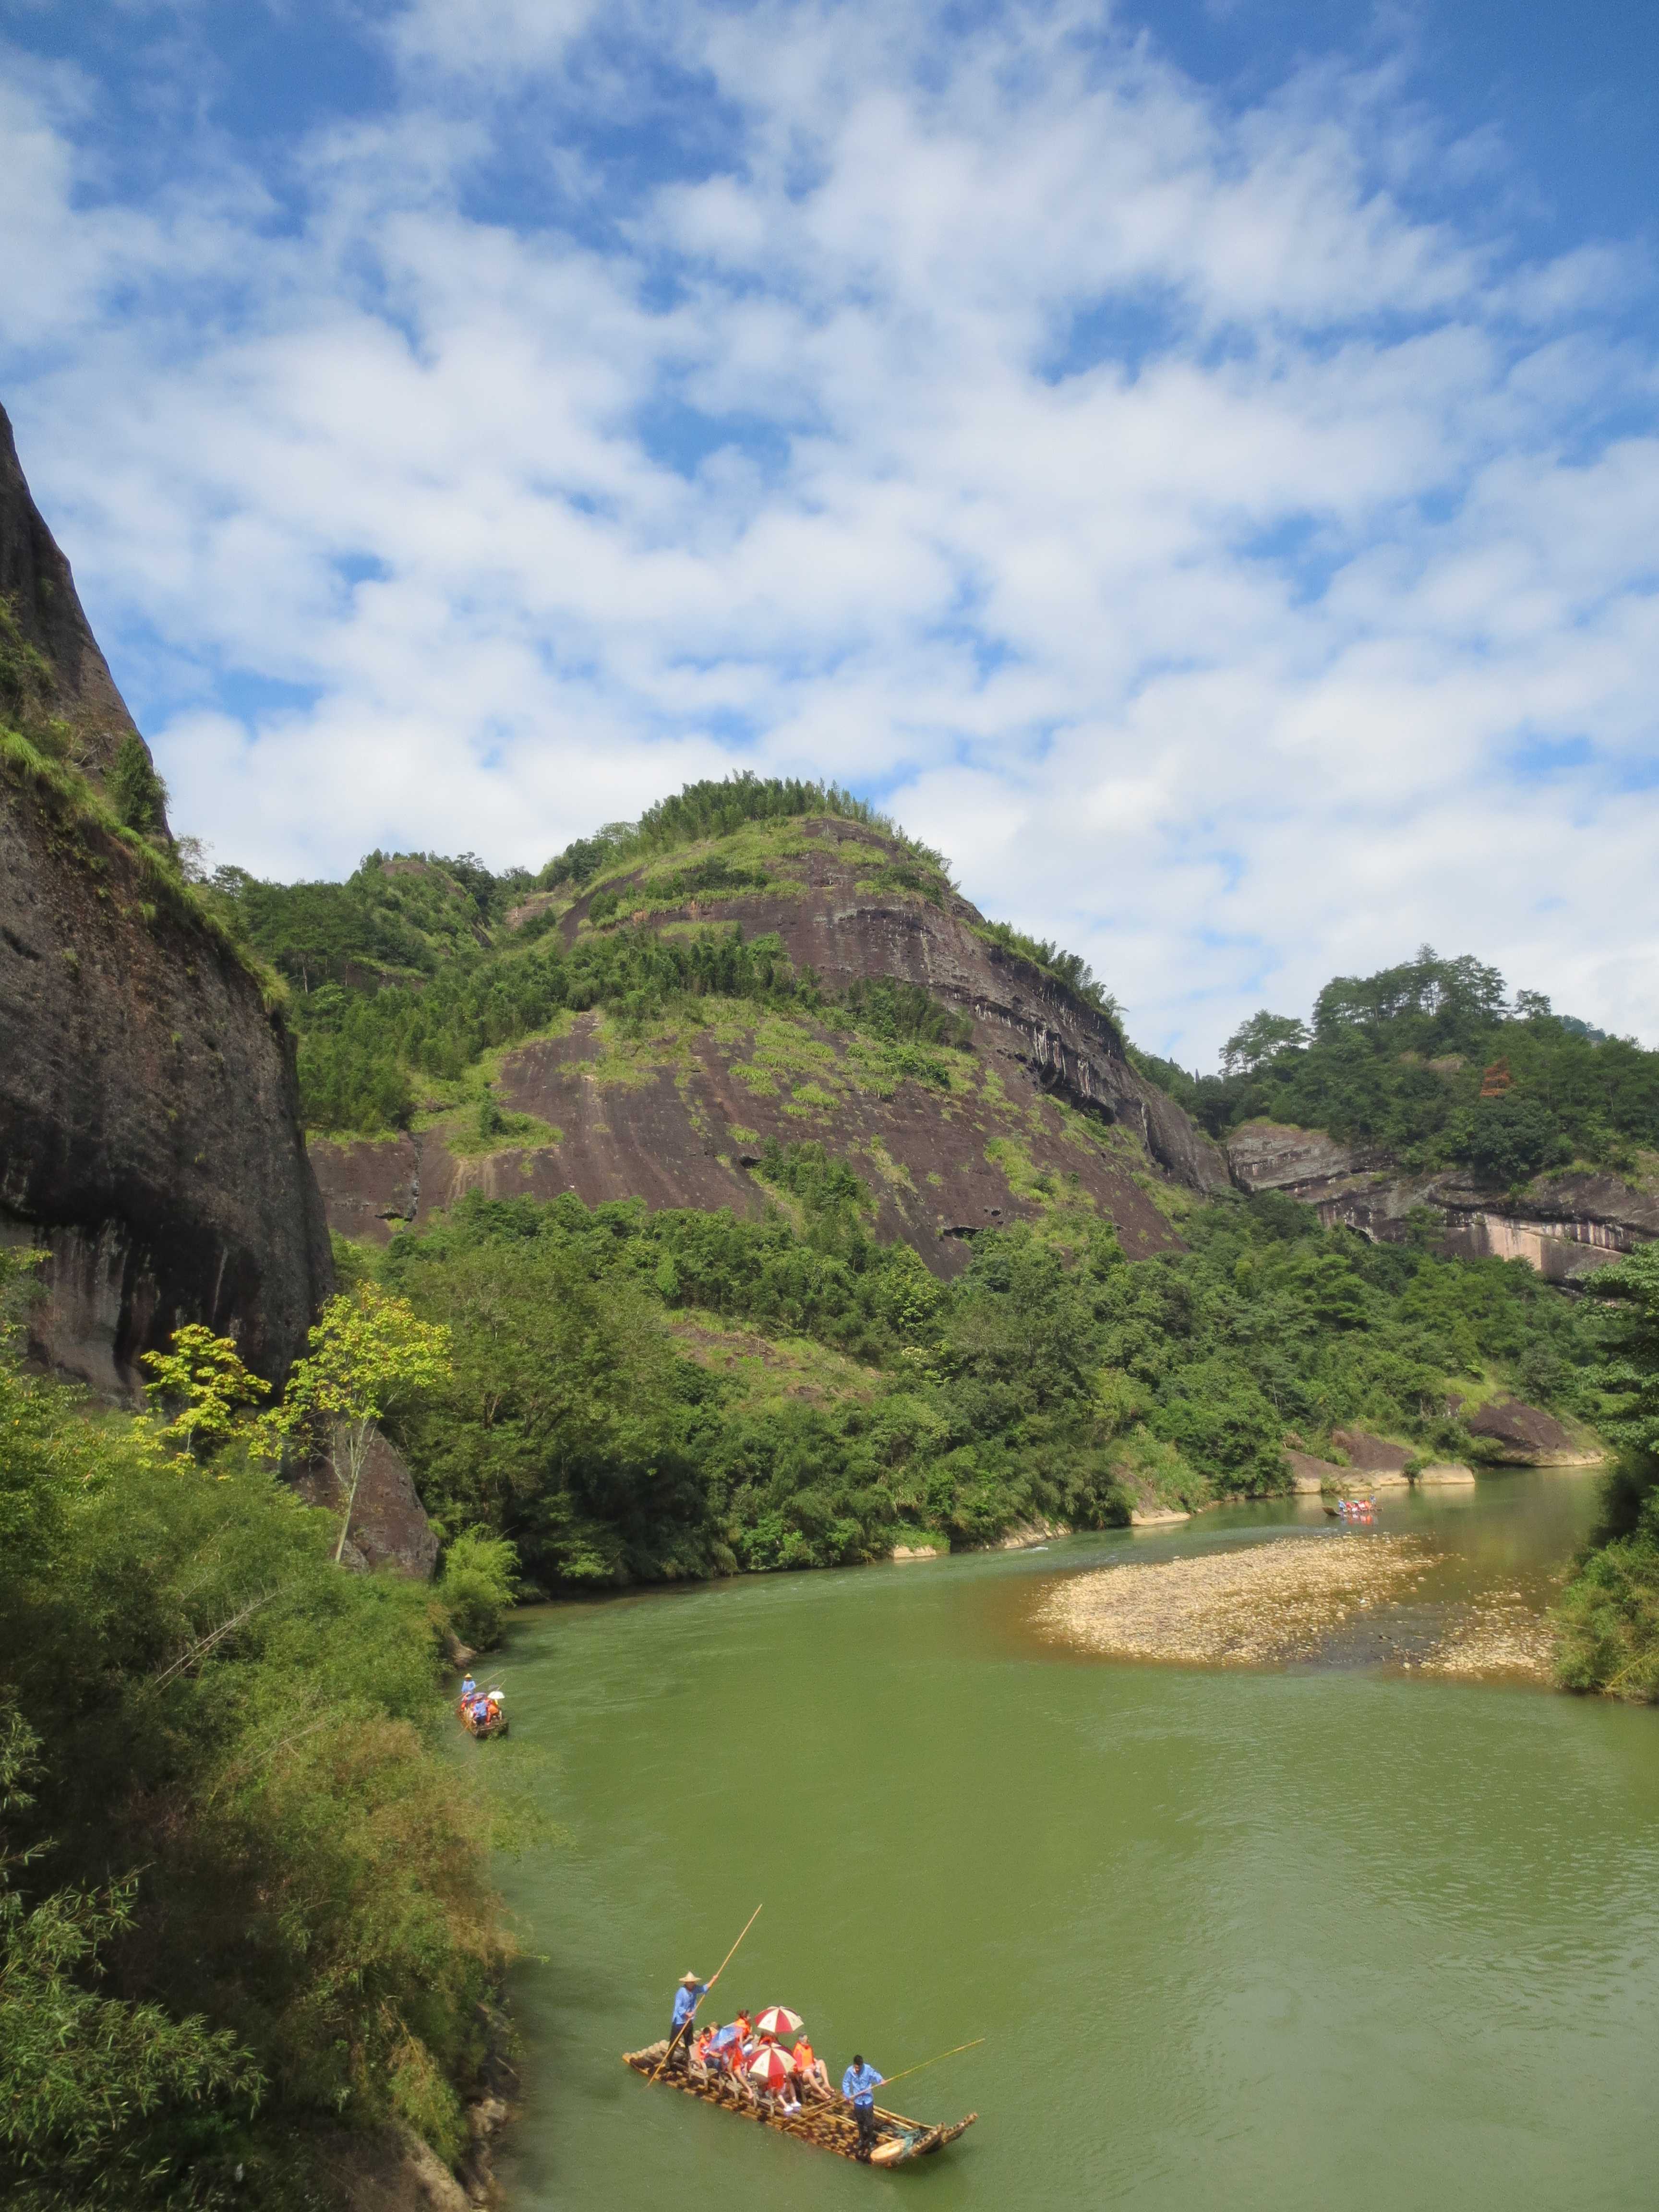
{"x":149,"y":1115}
{"x":388,"y":1526}
{"x":368,"y":1186}
{"x":1564,"y":1225}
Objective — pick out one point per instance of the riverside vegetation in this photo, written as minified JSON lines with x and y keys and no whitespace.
{"x":243,"y":1896}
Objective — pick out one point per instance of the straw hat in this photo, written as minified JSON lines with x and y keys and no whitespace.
{"x":690,"y":1981}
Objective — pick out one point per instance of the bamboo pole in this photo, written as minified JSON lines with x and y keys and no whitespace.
{"x":708,"y":1985}
{"x":921,"y":2067}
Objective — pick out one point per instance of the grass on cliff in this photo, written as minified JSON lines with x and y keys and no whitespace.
{"x":29,"y":767}
{"x":592,"y":1425}
{"x":243,"y":1890}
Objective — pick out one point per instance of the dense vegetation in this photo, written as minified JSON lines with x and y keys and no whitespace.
{"x":638,"y":1396}
{"x":1610,"y":1614}
{"x":1429,"y":1061}
{"x":243,"y":1900}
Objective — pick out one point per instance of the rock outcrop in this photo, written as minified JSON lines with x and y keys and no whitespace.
{"x":389,"y":1528}
{"x":149,"y":1134}
{"x":1565,"y":1224}
{"x":1520,"y":1435}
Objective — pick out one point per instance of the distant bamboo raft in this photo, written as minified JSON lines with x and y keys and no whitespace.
{"x":826,"y":2122}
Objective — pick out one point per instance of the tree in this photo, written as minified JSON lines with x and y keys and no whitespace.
{"x":1633,"y":1375}
{"x":204,"y":1376}
{"x":1255,"y":1042}
{"x":370,"y":1353}
{"x":1505,"y":1138}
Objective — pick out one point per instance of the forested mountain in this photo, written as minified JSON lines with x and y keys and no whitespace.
{"x":1429,"y":1061}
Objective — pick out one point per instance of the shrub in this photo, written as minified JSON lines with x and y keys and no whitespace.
{"x":480,"y":1577}
{"x":136,"y":792}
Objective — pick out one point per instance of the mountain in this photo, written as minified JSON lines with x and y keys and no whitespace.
{"x":149,"y":1103}
{"x":650,"y":1030}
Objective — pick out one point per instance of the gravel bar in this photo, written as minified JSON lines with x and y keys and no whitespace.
{"x":1250,"y":1607}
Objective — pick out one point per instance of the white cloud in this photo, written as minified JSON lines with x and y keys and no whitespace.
{"x":1207,"y":644}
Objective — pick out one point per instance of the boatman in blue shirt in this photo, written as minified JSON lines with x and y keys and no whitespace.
{"x":687,"y":1998}
{"x":858,"y":2084}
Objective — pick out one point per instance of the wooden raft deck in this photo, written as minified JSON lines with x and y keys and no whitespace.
{"x":826,"y":2123}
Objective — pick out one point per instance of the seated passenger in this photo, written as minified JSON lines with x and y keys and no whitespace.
{"x":813,"y":2074}
{"x":786,"y":2103}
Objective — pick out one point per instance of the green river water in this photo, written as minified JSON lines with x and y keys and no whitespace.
{"x":1333,"y":1935}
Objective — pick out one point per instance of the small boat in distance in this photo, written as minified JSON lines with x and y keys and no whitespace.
{"x":825,"y":2122}
{"x":482,"y":1716}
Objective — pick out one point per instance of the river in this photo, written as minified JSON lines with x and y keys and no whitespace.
{"x":1337,"y":1935}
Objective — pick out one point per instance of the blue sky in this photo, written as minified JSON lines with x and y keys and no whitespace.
{"x":1197,"y":464}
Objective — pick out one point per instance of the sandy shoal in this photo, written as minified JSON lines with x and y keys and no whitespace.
{"x":1268,"y":1601}
{"x":1499,"y":1633}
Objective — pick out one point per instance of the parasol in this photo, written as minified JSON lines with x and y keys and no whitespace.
{"x":771,"y":2064}
{"x":778,"y":2020}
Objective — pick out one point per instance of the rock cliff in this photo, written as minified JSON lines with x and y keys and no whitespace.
{"x":1566,"y":1224}
{"x":149,"y":1134}
{"x":1043,"y":1103}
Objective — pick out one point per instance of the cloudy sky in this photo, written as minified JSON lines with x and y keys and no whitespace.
{"x":1196,"y":464}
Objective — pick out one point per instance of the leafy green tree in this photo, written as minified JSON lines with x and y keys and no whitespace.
{"x":1506,"y":1140}
{"x":202,"y":1379}
{"x":1260,"y":1039}
{"x":370,"y":1354}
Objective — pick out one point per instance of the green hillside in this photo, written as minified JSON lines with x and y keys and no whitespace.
{"x":1428,"y":1061}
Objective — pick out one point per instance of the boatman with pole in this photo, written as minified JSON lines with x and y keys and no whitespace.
{"x":689,"y":1996}
{"x":859,"y":2085}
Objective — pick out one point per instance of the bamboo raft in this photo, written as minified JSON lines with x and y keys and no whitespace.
{"x":497,"y":1727}
{"x":826,"y":2121}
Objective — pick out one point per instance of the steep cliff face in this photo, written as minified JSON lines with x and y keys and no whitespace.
{"x":1565,"y":1224}
{"x":52,"y":671}
{"x":149,"y":1134}
{"x":1043,"y":1106}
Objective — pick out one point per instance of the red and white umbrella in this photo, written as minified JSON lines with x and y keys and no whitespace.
{"x":771,"y":2065}
{"x":778,"y":2020}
